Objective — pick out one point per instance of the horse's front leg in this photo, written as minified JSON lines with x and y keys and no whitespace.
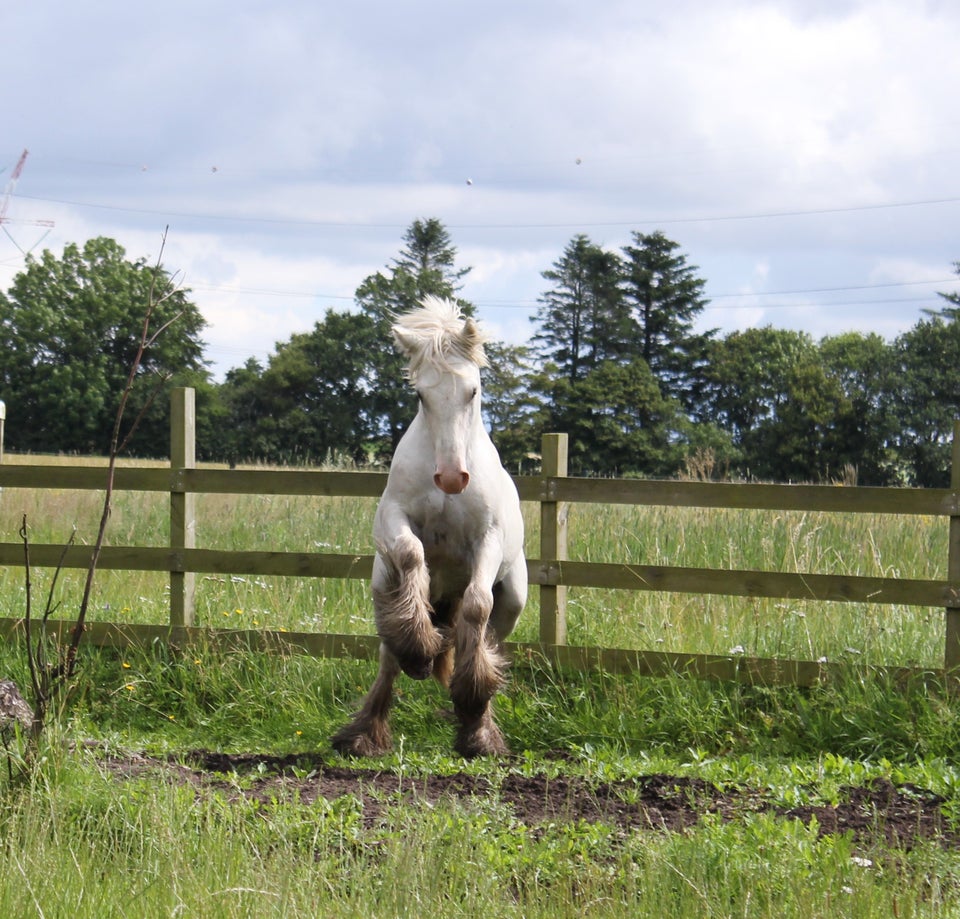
{"x":479,"y":670}
{"x":401,"y":604}
{"x":401,"y":609}
{"x":369,"y":732}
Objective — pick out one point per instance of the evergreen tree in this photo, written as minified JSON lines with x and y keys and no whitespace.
{"x":581,"y":320}
{"x":625,"y":423}
{"x":665,"y":298}
{"x":953,"y":310}
{"x":430,"y":258}
{"x":426,"y":266}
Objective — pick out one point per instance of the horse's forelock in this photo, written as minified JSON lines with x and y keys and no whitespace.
{"x":434,"y":333}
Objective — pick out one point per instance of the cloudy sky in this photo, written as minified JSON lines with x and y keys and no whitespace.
{"x":803,"y":153}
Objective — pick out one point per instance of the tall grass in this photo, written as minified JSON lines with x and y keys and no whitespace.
{"x":75,"y":840}
{"x":870,"y":545}
{"x":163,"y":851}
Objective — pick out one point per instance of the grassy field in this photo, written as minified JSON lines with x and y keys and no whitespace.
{"x":697,"y":537}
{"x":78,"y":840}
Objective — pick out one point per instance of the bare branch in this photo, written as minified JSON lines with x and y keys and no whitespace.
{"x":151,"y":398}
{"x":46,"y":679}
{"x":28,"y":615}
{"x":69,"y":661}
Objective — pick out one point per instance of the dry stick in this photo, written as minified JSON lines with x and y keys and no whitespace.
{"x":28,"y":630}
{"x":45,"y":681}
{"x":42,"y":680}
{"x":68,"y":666}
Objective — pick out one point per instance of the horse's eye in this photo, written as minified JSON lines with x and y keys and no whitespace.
{"x":473,"y":394}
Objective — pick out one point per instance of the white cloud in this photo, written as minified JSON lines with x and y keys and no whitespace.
{"x":333,"y":127}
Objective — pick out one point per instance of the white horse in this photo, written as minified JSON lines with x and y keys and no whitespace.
{"x":449,"y":576}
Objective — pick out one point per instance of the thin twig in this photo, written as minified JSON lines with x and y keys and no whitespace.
{"x":50,"y":675}
{"x":28,"y":620}
{"x":70,"y":658}
{"x":148,"y":403}
{"x":47,"y":680}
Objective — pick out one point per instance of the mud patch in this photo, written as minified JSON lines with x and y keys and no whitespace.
{"x":880,"y":812}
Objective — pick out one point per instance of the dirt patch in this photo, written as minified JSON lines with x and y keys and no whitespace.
{"x":881,"y":812}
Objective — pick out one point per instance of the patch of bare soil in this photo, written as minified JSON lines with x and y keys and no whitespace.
{"x":881,"y":812}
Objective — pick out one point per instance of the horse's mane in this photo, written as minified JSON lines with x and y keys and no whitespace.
{"x":435,"y":332}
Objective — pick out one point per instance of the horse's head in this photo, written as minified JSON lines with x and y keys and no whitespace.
{"x":446,"y":354}
{"x":450,"y":410}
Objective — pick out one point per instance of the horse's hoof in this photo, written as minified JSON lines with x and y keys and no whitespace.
{"x":486,"y":741}
{"x":350,"y":742}
{"x":417,"y":668}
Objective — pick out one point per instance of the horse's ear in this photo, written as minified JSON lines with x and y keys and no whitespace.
{"x":472,"y":340}
{"x":406,"y":343}
{"x":471,"y":335}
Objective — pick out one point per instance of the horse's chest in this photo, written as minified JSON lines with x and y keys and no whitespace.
{"x":449,"y":535}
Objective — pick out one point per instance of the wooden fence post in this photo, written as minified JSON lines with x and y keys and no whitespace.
{"x":553,"y":541}
{"x":951,"y":655}
{"x":183,"y":522}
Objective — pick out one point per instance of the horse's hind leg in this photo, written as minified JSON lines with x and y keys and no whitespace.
{"x":369,"y":732}
{"x":477,"y":676}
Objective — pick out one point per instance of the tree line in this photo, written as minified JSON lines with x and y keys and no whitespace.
{"x":615,"y":359}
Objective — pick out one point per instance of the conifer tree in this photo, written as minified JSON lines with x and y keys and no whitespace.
{"x":426,"y":265}
{"x":665,"y":298}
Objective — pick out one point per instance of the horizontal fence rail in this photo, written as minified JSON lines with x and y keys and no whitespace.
{"x":552,"y":572}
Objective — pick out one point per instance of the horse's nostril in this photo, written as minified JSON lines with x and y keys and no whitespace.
{"x":451,"y":483}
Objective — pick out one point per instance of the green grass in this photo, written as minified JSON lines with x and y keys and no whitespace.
{"x":163,"y":852}
{"x":868,"y":545}
{"x":75,"y":841}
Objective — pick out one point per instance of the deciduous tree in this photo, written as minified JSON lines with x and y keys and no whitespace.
{"x":926,"y":399}
{"x":861,"y":365}
{"x":771,"y":392}
{"x":69,"y":333}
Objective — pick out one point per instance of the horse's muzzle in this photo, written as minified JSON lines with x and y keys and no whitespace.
{"x":452,"y":483}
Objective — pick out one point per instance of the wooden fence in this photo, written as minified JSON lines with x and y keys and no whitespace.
{"x":552,"y":572}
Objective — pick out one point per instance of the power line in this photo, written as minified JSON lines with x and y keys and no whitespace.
{"x":831,"y":290}
{"x":524,"y":304}
{"x":662,"y":221}
{"x":818,"y":305}
{"x":266,"y":292}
